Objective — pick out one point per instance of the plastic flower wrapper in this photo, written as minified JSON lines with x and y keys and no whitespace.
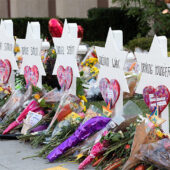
{"x":33,"y":106}
{"x":84,"y":131}
{"x":61,"y":132}
{"x":132,"y":81}
{"x":157,"y":153}
{"x":67,"y":104}
{"x":90,"y":66}
{"x":53,"y":96}
{"x":39,"y":128}
{"x":15,"y":101}
{"x":131,"y":65}
{"x":129,"y":112}
{"x":90,"y":59}
{"x":44,"y":56}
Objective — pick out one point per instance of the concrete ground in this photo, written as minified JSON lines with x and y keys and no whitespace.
{"x":12,"y":153}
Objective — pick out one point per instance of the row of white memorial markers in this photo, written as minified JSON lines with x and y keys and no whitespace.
{"x":154,"y":66}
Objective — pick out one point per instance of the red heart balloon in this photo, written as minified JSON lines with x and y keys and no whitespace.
{"x":156,"y":97}
{"x":65,"y":77}
{"x":80,"y":31}
{"x":110,"y":91}
{"x":5,"y":70}
{"x":55,"y":27}
{"x":31,"y":75}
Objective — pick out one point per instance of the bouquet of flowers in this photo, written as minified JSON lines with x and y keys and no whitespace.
{"x":11,"y":109}
{"x":84,"y":131}
{"x":33,"y":106}
{"x":61,"y":132}
{"x":67,"y":105}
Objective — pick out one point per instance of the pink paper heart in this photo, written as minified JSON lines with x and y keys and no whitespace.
{"x":65,"y":77}
{"x":156,"y":97}
{"x":110,"y":91}
{"x":31,"y":75}
{"x":5,"y":71}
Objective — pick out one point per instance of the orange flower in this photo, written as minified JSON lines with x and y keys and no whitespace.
{"x":37,"y":96}
{"x":19,"y":58}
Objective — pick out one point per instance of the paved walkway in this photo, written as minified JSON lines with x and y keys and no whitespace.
{"x":12,"y":153}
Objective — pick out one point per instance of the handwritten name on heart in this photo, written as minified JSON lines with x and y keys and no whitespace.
{"x":156,"y":97}
{"x":31,"y":75}
{"x":110,"y":91}
{"x":5,"y":71}
{"x":65,"y":77}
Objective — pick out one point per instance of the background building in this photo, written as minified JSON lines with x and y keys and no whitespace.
{"x":48,"y":8}
{"x":51,"y":8}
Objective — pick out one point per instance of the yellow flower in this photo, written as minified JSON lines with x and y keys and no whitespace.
{"x":84,"y":108}
{"x":37,"y":96}
{"x":159,"y":133}
{"x":83,"y":98}
{"x":80,"y":155}
{"x":16,"y":49}
{"x":57,"y":168}
{"x":1,"y":89}
{"x":42,"y":57}
{"x":53,"y":51}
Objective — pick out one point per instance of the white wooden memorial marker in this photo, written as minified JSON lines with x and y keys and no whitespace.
{"x":155,"y":72}
{"x":66,"y":49}
{"x":31,"y":53}
{"x":112,"y":60}
{"x":7,"y":53}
